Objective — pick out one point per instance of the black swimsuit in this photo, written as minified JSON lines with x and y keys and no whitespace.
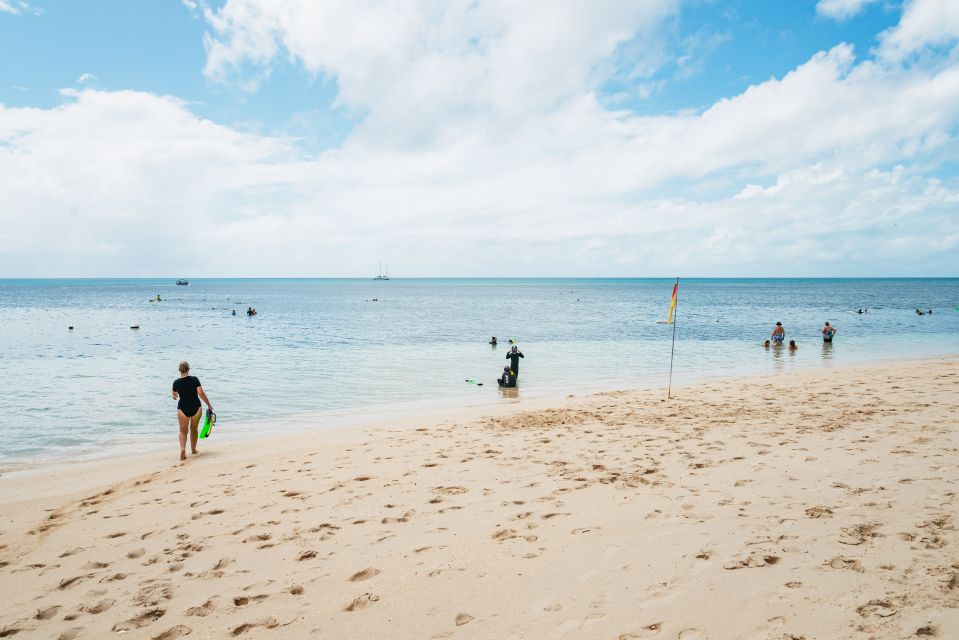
{"x":189,"y":402}
{"x":514,"y":361}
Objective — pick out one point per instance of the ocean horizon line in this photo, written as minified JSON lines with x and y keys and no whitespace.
{"x":6,"y":279}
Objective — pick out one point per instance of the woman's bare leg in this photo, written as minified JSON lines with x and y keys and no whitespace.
{"x":184,"y":425}
{"x":194,"y":434}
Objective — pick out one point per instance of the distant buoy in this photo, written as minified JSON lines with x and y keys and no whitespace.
{"x":70,"y":327}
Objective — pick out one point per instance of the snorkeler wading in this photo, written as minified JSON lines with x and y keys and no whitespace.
{"x":513,"y":356}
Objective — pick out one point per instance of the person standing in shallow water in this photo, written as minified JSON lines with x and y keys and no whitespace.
{"x":828,"y":331}
{"x":513,"y":356}
{"x":779,"y":334}
{"x":188,"y":393}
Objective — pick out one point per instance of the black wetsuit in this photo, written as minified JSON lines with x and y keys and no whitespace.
{"x":507,"y":380}
{"x":189,"y":402}
{"x":513,"y":358}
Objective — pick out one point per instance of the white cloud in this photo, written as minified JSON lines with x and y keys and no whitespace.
{"x":466,"y":163}
{"x":17,"y":7}
{"x":841,"y":9}
{"x":86,"y":77}
{"x":924,"y":23}
{"x":413,"y":62}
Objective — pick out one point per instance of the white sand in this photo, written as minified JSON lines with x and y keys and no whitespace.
{"x":818,"y":505}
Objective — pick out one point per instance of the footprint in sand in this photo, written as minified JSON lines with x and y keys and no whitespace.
{"x":203,"y":610}
{"x":449,"y":491}
{"x":463,"y":618}
{"x":751,"y":562}
{"x":648,"y":631}
{"x":845,"y":563}
{"x":99,"y":607}
{"x":46,"y":614}
{"x":115,"y":577}
{"x":365,"y":574}
{"x":140,"y":621}
{"x":361,"y":602}
{"x":70,"y":582}
{"x":880,"y":608}
{"x":174,"y":632}
{"x":819,"y":512}
{"x":691,"y":634}
{"x":262,"y":537}
{"x":266,"y":623}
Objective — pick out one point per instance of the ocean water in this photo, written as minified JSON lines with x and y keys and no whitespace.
{"x":324,"y":351}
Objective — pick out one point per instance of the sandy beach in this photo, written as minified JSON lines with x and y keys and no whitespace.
{"x":813,"y":505}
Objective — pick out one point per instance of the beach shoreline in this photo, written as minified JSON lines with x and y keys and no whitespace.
{"x":800,"y":503}
{"x":309,"y":424}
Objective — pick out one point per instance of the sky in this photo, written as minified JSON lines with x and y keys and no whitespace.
{"x":593,"y":138}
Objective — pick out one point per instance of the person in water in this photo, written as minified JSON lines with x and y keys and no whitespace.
{"x":508,"y":379}
{"x":492,"y":341}
{"x":779,"y":334}
{"x":188,"y":393}
{"x":792,"y":345}
{"x":766,"y":344}
{"x":513,"y":356}
{"x":828,"y":332}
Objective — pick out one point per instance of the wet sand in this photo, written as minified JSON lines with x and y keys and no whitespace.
{"x":811,"y":505}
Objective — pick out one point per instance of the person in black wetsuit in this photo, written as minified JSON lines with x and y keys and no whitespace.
{"x":513,"y":356}
{"x":508,"y":379}
{"x":188,"y":393}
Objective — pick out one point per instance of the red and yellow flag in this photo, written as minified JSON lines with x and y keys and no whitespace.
{"x":672,"y":303}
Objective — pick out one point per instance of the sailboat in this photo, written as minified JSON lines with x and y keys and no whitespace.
{"x":381,"y":276}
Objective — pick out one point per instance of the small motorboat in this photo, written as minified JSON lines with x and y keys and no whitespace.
{"x":135,"y":326}
{"x":183,"y":283}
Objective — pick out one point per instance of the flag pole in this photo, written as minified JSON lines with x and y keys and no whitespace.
{"x":672,"y":351}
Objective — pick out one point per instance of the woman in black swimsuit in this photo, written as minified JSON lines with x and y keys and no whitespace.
{"x":188,"y":392}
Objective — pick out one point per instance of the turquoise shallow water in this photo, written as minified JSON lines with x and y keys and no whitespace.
{"x":325,"y":350}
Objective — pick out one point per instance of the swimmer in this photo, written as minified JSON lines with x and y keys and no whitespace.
{"x":188,"y":393}
{"x":779,"y":334}
{"x":492,"y":341}
{"x":508,"y":379}
{"x":859,"y":312}
{"x":766,"y":344}
{"x":513,"y":356}
{"x":828,"y":332}
{"x":792,"y":345}
{"x":234,"y":312}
